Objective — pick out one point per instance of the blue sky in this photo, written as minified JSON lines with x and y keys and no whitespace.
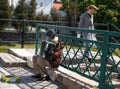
{"x":47,"y":5}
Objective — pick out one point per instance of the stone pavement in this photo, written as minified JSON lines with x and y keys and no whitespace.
{"x":65,"y":77}
{"x":26,"y":81}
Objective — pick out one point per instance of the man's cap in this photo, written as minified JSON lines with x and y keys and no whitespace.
{"x":93,"y":6}
{"x":50,"y":33}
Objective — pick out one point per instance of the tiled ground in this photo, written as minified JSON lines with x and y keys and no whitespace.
{"x":26,"y":82}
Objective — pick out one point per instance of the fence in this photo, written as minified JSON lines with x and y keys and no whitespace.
{"x":22,"y":31}
{"x":105,"y":57}
{"x":106,"y":53}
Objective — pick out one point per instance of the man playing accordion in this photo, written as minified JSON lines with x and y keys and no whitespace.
{"x":50,"y":56}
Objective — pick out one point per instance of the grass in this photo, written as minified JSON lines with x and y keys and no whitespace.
{"x":4,"y":48}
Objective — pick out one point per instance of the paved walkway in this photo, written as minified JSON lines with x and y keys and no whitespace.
{"x":26,"y":81}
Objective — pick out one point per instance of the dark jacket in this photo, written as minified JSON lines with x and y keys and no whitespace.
{"x":86,"y":22}
{"x":57,"y":55}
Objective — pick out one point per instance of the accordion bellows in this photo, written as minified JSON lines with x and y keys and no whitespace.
{"x":46,"y":49}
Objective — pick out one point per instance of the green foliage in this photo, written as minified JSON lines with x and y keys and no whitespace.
{"x":111,"y":15}
{"x":32,"y":9}
{"x":20,"y":13}
{"x":84,"y":4}
{"x":4,"y":47}
{"x":54,"y":15}
{"x":5,"y":13}
{"x":21,"y":10}
{"x":42,"y":17}
{"x":4,"y":9}
{"x":72,"y":10}
{"x":109,"y":10}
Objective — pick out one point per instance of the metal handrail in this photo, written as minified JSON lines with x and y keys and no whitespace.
{"x":74,"y":56}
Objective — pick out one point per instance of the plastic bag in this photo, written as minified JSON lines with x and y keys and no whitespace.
{"x":94,"y":39}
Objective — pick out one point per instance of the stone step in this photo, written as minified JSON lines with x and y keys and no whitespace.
{"x":21,"y":53}
{"x":92,"y":66}
{"x":3,"y":71}
{"x":113,"y":75}
{"x":116,"y":83}
{"x":9,"y":60}
{"x":73,"y":80}
{"x":114,"y":78}
{"x":26,"y":54}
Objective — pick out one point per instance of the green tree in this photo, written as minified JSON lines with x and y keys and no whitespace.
{"x":31,"y":12}
{"x":42,"y":17}
{"x":55,"y":16}
{"x":109,"y":12}
{"x":72,"y":10}
{"x":5,"y":13}
{"x":84,"y":4}
{"x":32,"y":9}
{"x":21,"y":10}
{"x":20,"y":13}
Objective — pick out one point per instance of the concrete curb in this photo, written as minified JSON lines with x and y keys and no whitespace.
{"x":73,"y":80}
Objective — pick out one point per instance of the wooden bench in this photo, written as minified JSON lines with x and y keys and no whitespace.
{"x":9,"y":60}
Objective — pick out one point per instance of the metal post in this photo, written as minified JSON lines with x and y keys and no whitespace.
{"x":22,"y":34}
{"x":103,"y":61}
{"x":37,"y":39}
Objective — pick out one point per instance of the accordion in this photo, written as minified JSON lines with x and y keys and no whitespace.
{"x":46,"y":50}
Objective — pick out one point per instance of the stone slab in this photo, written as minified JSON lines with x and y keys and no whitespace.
{"x":22,"y":53}
{"x":73,"y":80}
{"x":9,"y":60}
{"x":8,"y":86}
{"x":26,"y":54}
{"x":26,"y":81}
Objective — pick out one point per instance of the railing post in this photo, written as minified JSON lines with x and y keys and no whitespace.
{"x":37,"y":39}
{"x":103,"y":61}
{"x":22,"y":33}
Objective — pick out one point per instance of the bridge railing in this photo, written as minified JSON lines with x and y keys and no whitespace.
{"x":105,"y":56}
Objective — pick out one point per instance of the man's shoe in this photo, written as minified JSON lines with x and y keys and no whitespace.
{"x":36,"y":76}
{"x":89,"y":59}
{"x":47,"y":78}
{"x":44,"y":78}
{"x":40,"y":79}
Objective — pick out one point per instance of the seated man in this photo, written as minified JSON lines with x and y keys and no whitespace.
{"x":52,"y":57}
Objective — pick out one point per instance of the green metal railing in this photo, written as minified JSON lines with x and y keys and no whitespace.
{"x":22,"y":26}
{"x":104,"y":55}
{"x":22,"y":30}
